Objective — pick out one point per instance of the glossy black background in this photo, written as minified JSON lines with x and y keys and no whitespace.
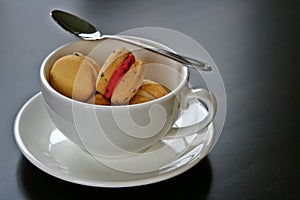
{"x":256,"y":47}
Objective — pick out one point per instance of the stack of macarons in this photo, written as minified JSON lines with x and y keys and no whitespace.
{"x":120,"y":80}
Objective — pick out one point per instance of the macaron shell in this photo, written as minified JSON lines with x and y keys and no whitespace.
{"x":139,"y":98}
{"x":148,"y":91}
{"x":74,"y":76}
{"x":93,"y":63}
{"x":155,"y":89}
{"x":129,"y":84}
{"x":109,"y":66}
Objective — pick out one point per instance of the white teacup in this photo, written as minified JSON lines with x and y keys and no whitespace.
{"x":118,"y":131}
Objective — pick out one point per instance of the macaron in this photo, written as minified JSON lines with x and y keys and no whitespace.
{"x":74,"y":76}
{"x":120,"y":76}
{"x":149,"y":90}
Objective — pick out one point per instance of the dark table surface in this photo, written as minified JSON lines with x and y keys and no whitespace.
{"x":256,"y":47}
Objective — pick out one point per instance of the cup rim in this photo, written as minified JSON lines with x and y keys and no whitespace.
{"x":47,"y":85}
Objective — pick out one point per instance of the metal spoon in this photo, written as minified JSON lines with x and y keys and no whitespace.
{"x":87,"y":31}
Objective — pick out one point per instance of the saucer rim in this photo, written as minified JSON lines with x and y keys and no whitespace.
{"x":99,"y":183}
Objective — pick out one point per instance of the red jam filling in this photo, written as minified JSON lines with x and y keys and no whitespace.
{"x":118,"y":73}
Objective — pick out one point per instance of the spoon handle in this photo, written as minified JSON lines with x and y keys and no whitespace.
{"x":189,"y":62}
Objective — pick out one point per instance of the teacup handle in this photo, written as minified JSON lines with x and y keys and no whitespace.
{"x":210,"y":102}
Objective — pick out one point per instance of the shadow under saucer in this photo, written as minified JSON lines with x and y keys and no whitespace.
{"x":36,"y":184}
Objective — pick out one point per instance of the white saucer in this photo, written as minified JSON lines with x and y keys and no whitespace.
{"x":44,"y":146}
